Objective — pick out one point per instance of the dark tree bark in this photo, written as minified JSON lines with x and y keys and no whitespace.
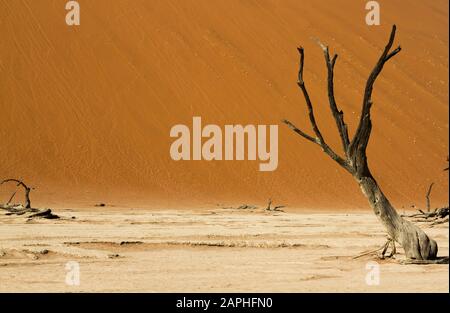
{"x":26,"y":209}
{"x":27,"y":190}
{"x":415,"y":242}
{"x":427,"y":197}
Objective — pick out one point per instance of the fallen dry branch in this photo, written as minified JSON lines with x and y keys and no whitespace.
{"x":435,"y":217}
{"x":251,"y":208}
{"x":442,"y":221}
{"x":27,"y":210}
{"x":437,"y":213}
{"x":241,"y":207}
{"x":246,"y":207}
{"x":275,"y":208}
{"x":12,"y":197}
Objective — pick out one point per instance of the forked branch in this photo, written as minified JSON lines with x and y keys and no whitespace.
{"x":337,"y":114}
{"x":355,"y":160}
{"x":318,"y":139}
{"x":360,"y":140}
{"x":301,"y":84}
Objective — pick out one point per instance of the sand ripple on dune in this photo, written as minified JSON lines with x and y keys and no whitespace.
{"x":95,"y":103}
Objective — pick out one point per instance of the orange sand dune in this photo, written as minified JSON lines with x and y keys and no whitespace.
{"x":86,"y":111}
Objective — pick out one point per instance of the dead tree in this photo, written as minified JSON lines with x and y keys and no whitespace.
{"x":19,"y":209}
{"x":417,"y":245}
{"x":27,"y":189}
{"x":276,"y":208}
{"x":435,"y":217}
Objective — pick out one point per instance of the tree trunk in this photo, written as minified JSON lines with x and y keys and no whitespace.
{"x":415,"y":242}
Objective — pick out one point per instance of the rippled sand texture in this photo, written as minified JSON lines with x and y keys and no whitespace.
{"x":86,"y":111}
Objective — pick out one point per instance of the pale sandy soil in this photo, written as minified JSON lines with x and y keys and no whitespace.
{"x":218,"y":250}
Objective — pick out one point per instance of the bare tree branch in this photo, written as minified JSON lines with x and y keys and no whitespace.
{"x":27,"y":204}
{"x":337,"y":114}
{"x":362,"y":135}
{"x":11,"y":198}
{"x":300,"y":132}
{"x":302,"y":86}
{"x":428,"y":196}
{"x":319,"y":138}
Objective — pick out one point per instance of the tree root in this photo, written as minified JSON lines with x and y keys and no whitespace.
{"x":439,"y":260}
{"x":389,"y":243}
{"x":368,"y":252}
